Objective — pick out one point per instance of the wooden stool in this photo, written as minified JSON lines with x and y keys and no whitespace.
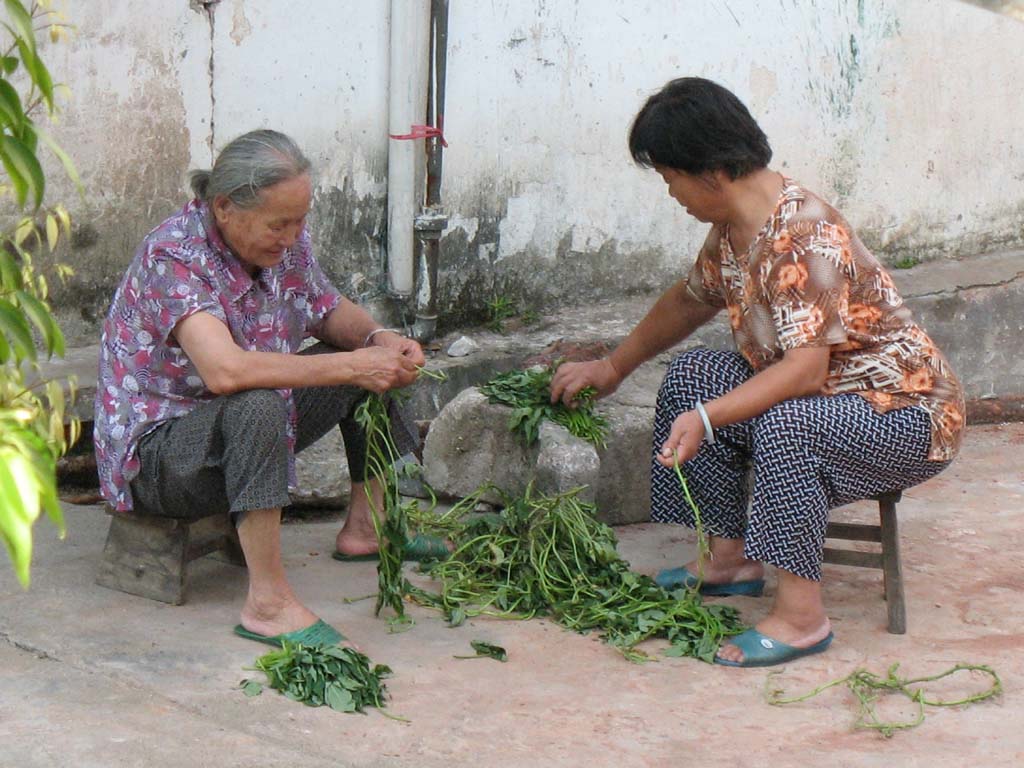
{"x":888,"y":560}
{"x":149,"y":556}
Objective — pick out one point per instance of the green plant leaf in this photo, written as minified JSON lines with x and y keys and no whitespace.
{"x":8,"y":64}
{"x":22,"y":21}
{"x":69,"y":169}
{"x":38,"y":72}
{"x":486,"y":650}
{"x":22,"y":165}
{"x":11,"y":111}
{"x":251,"y":687}
{"x":16,"y":329}
{"x":10,"y":272}
{"x":42,"y":318}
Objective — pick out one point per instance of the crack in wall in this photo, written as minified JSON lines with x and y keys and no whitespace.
{"x":207,"y":8}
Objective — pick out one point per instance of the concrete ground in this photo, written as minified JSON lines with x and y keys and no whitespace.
{"x":93,"y":677}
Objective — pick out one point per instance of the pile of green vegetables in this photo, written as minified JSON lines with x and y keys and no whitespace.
{"x":548,"y":555}
{"x":528,"y":394}
{"x":340,"y":678}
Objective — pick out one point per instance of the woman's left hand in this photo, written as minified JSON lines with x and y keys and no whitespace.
{"x":683,"y":441}
{"x":403,"y":345}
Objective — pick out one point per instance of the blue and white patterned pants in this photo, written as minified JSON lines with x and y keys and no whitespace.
{"x":808,"y":455}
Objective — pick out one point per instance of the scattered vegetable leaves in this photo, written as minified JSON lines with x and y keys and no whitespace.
{"x":486,"y":650}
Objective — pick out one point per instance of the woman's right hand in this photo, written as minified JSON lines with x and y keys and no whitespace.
{"x":570,"y":378}
{"x":380,"y":369}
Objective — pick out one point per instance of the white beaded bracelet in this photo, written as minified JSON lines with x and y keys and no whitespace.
{"x":709,"y":433}
{"x":375,"y":331}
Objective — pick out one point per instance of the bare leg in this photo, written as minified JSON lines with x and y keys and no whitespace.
{"x":270,"y":607}
{"x":357,"y":535}
{"x":726,"y":564}
{"x":797,"y":618}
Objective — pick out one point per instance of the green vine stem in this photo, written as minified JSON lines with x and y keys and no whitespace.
{"x":866,"y":686}
{"x":703,"y":550}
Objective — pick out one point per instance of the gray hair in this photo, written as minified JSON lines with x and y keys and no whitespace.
{"x":248,"y":165}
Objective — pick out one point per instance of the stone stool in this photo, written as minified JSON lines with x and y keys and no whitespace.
{"x":887,"y":560}
{"x":149,"y":556}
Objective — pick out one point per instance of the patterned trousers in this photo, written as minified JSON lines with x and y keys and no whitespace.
{"x":230,"y":454}
{"x":806,"y":456}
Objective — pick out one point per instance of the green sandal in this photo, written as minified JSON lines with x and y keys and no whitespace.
{"x":319,"y":633}
{"x":419,"y":548}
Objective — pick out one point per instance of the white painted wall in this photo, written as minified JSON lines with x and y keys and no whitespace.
{"x":907,"y":112}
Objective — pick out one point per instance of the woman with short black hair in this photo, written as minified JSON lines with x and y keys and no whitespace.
{"x":835,"y":394}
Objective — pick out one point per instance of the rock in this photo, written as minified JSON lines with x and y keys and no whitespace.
{"x":469,"y":444}
{"x":565,"y":462}
{"x":322,"y":473}
{"x":624,"y":485}
{"x":462,"y":346}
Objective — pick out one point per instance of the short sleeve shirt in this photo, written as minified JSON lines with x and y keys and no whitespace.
{"x":807,"y":280}
{"x":184,"y":267}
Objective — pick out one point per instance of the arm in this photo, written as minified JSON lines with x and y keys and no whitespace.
{"x":348,"y":326}
{"x":801,"y":372}
{"x":225,"y":367}
{"x":673,"y":317}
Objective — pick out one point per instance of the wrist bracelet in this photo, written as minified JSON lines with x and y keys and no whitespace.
{"x":375,"y":331}
{"x":709,"y":433}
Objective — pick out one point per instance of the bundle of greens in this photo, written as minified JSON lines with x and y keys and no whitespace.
{"x":391,"y":521}
{"x":548,"y":555}
{"x":339,"y":677}
{"x":528,"y":394}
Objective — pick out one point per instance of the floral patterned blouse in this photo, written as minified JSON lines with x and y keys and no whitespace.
{"x":183,"y":267}
{"x":806,"y":281}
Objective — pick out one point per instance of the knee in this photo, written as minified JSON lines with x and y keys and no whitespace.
{"x":255,"y":415}
{"x":699,"y":374}
{"x":785,"y":423}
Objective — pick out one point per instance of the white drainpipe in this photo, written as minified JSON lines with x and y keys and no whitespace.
{"x":407,"y":106}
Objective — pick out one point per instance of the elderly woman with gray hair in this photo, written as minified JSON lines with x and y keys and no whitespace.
{"x":203,"y":396}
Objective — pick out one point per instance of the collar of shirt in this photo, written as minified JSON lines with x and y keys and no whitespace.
{"x":237,"y":281}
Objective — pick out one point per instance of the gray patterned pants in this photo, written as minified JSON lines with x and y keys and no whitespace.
{"x":230,"y":454}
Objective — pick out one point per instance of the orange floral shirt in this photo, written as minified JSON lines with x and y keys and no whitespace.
{"x":807,"y":280}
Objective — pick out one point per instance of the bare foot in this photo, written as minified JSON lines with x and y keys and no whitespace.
{"x":802,"y":634}
{"x":275,"y":615}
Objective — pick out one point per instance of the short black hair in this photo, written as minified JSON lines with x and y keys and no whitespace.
{"x":695,"y":125}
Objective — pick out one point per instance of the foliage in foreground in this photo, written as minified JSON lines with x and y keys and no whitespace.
{"x":32,"y":411}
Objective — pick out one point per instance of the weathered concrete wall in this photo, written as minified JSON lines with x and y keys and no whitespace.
{"x":903,"y":112}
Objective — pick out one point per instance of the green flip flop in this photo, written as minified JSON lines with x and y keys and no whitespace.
{"x":319,"y":633}
{"x":759,"y":650}
{"x":418,"y":548}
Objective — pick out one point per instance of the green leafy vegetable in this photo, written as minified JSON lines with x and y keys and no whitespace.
{"x":547,"y":555}
{"x":486,"y":650}
{"x":528,"y":394}
{"x":331,"y":675}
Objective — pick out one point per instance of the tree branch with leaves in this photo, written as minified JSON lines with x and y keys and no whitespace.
{"x":34,"y":432}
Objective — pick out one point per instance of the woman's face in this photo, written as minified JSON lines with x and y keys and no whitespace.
{"x":260,"y":236}
{"x":701,"y":195}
